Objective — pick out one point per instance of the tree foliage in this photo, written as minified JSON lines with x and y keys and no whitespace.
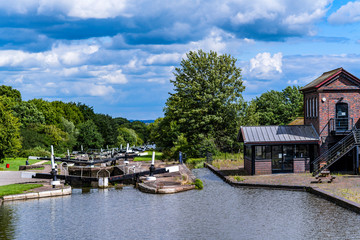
{"x":10,"y":92}
{"x":88,"y":136}
{"x":127,"y":135}
{"x":206,"y":99}
{"x":9,"y":133}
{"x":279,"y":108}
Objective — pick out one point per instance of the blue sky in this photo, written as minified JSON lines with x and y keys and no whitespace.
{"x":119,"y":55}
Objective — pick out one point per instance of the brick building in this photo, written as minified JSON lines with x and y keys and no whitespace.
{"x":332,"y":111}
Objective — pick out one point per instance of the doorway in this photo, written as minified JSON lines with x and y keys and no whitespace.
{"x":282,"y":159}
{"x":342,"y":116}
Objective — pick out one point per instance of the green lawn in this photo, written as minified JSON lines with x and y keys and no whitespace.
{"x":16,"y":188}
{"x":148,"y":157}
{"x":14,"y":163}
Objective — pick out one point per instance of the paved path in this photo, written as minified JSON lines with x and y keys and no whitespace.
{"x":41,"y":162}
{"x":11,"y":177}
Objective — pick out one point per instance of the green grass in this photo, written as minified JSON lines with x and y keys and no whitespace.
{"x":228,"y":156}
{"x":238,"y":178}
{"x":15,"y":163}
{"x":195,"y":162}
{"x":148,"y":157}
{"x":17,"y":188}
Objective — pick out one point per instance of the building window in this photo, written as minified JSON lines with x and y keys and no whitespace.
{"x":248,"y":152}
{"x":307,"y":107}
{"x":316,"y":108}
{"x":262,"y":152}
{"x":301,"y":151}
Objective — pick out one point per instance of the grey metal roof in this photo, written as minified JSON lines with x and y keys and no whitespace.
{"x":278,"y":134}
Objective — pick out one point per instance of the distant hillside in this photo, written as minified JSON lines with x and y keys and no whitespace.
{"x":144,"y":121}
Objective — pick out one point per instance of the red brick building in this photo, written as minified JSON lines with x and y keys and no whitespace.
{"x":329,"y":135}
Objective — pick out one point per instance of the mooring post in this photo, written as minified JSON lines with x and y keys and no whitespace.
{"x":151,"y":176}
{"x":54,"y":181}
{"x":68,"y":156}
{"x":82,"y":148}
{"x":127,"y":147}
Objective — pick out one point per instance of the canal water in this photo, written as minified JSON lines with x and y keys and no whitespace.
{"x":217,"y":212}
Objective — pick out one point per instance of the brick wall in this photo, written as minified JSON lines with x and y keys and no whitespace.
{"x":299,"y":165}
{"x":247,"y":165}
{"x":339,"y":90}
{"x":263,"y":167}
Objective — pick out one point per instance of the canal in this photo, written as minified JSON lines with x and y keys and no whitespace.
{"x":217,"y":212}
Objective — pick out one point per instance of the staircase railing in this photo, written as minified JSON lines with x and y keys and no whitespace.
{"x":336,"y":152}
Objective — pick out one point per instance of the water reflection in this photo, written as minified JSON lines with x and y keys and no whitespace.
{"x":7,"y":223}
{"x":217,"y":212}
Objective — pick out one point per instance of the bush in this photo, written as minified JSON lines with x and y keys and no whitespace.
{"x":198,"y":184}
{"x":36,"y":151}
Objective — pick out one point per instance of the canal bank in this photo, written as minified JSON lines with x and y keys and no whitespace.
{"x":294,"y":182}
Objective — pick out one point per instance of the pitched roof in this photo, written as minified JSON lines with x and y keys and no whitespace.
{"x":278,"y":134}
{"x":297,"y":121}
{"x":323,"y":78}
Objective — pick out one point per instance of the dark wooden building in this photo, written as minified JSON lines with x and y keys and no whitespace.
{"x":329,"y":133}
{"x":278,"y":149}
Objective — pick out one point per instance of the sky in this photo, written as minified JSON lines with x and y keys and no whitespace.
{"x":119,"y":55}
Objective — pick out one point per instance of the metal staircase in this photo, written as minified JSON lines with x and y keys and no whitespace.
{"x":336,"y":152}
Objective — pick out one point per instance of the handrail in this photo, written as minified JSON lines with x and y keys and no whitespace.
{"x":341,"y":124}
{"x":337,"y":151}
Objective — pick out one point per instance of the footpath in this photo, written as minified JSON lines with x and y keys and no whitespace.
{"x":343,"y":191}
{"x":17,"y":177}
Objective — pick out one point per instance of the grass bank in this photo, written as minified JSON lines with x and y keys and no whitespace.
{"x":158,"y":156}
{"x":14,"y":163}
{"x":17,"y":188}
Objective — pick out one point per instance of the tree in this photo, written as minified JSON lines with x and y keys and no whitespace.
{"x":107,"y":128}
{"x":127,"y":135}
{"x":279,"y":108}
{"x":207,"y":98}
{"x":89,"y":136}
{"x":10,"y":92}
{"x":9,"y":133}
{"x":140,"y":129}
{"x":28,"y":113}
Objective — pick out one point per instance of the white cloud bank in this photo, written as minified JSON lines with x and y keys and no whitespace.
{"x":348,"y":13}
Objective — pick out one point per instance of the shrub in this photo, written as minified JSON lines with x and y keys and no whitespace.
{"x":198,"y":184}
{"x":36,"y":151}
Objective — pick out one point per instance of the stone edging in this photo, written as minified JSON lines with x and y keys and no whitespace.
{"x":340,"y":201}
{"x":147,"y":189}
{"x":50,"y":193}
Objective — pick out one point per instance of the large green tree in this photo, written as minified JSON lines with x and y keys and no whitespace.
{"x":9,"y":132}
{"x":207,"y":98}
{"x":279,"y":107}
{"x":89,"y":136}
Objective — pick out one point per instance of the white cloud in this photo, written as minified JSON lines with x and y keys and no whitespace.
{"x":215,"y":41}
{"x":99,"y":90}
{"x":263,"y":66}
{"x":116,"y":77}
{"x":84,"y":8}
{"x":164,"y":58}
{"x":63,"y":54}
{"x":348,"y":13}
